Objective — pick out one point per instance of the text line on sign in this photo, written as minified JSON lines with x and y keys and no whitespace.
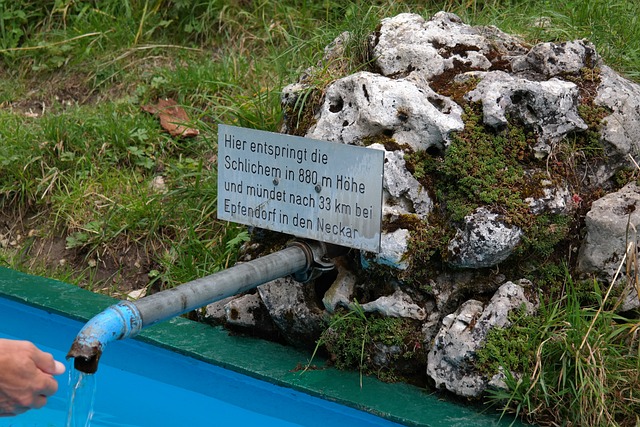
{"x":312,"y":189}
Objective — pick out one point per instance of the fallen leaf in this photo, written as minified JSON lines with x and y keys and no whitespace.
{"x":172,"y":118}
{"x":136,"y":295}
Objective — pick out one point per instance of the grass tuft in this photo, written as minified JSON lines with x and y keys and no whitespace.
{"x":576,"y":363}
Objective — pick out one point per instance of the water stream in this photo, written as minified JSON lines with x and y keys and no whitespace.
{"x":82,"y":392}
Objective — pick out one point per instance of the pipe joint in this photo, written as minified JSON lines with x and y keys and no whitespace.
{"x":318,"y":261}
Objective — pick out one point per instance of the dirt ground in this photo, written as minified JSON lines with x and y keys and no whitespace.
{"x":116,"y":271}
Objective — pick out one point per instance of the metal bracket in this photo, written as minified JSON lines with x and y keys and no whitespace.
{"x":317,"y":260}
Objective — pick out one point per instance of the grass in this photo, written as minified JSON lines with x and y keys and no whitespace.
{"x":580,"y":363}
{"x":94,"y":193}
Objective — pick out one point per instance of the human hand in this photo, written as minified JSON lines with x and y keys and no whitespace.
{"x":26,"y":377}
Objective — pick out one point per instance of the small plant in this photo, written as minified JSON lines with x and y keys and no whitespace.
{"x":428,"y":242}
{"x":484,"y":168}
{"x":352,"y":349}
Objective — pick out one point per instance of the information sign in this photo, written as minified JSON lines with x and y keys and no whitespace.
{"x":313,"y":189}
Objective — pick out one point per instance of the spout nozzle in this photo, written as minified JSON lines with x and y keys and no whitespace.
{"x":88,"y":366}
{"x":85,"y":358}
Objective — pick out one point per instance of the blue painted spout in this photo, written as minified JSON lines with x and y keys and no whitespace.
{"x":126,"y":319}
{"x":117,"y":322}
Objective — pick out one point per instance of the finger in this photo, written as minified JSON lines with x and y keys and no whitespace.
{"x":48,"y":387}
{"x":39,"y":401}
{"x":59,"y":368}
{"x":15,"y":410}
{"x":44,"y":361}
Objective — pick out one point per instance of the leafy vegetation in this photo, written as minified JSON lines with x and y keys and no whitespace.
{"x":482,"y":168}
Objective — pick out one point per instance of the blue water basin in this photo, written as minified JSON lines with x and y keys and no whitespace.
{"x":145,"y":386}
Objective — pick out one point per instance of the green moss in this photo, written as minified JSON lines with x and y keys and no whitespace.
{"x":346,"y":339}
{"x":580,"y":147}
{"x":484,"y":168}
{"x":353,"y":337}
{"x":545,"y":233}
{"x":547,"y":275}
{"x":588,"y":142}
{"x":427,"y":245}
{"x":389,"y":143}
{"x":624,"y":176}
{"x":509,"y":348}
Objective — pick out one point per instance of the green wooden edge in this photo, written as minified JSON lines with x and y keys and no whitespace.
{"x":261,"y":359}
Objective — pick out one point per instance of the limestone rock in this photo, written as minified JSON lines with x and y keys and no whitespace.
{"x":365,"y":105}
{"x":403,"y":193}
{"x":410,"y":104}
{"x":548,"y":106}
{"x":245,"y":312}
{"x":555,"y":199}
{"x":548,"y":60}
{"x":451,"y":360}
{"x":451,"y":288}
{"x":449,"y":363}
{"x":630,"y":298}
{"x":507,"y":298}
{"x":291,"y":308}
{"x":393,"y":247}
{"x":611,"y":225}
{"x":215,"y":312}
{"x":621,"y":128}
{"x":407,"y":44}
{"x":342,"y":289}
{"x":399,"y":304}
{"x":485,"y":241}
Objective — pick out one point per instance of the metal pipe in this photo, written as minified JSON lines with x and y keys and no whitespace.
{"x":126,"y":319}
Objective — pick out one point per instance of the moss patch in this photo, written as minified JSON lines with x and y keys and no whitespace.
{"x":509,"y":348}
{"x":390,"y":348}
{"x":482,"y":168}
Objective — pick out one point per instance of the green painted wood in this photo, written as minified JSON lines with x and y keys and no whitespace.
{"x":262,"y":359}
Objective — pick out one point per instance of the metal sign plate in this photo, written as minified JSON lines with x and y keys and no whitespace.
{"x":313,"y":189}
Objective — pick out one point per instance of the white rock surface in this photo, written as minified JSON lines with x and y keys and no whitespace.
{"x":241,"y":311}
{"x":484,"y":241}
{"x":366,"y":104}
{"x":451,"y":360}
{"x":548,"y":106}
{"x":557,"y":59}
{"x":398,"y":304}
{"x":612,"y":224}
{"x":401,"y":188}
{"x":407,"y":44}
{"x":342,"y":289}
{"x":289,"y":305}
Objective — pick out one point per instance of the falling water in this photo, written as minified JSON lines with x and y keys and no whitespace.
{"x":82,"y":393}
